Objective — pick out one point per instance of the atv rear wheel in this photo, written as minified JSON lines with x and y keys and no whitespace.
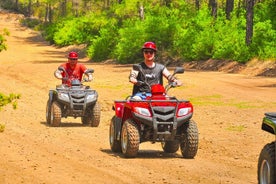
{"x":114,"y":143}
{"x":170,"y":146}
{"x":55,"y":115}
{"x":189,"y":143}
{"x":266,"y":165}
{"x":130,"y":139}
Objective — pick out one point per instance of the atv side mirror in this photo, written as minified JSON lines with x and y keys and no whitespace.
{"x":179,"y":70}
{"x":89,"y":71}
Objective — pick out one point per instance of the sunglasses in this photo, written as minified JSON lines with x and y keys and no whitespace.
{"x":148,"y":52}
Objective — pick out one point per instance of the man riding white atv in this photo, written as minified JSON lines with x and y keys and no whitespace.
{"x":72,"y":98}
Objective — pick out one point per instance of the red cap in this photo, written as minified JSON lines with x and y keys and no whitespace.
{"x":149,"y":45}
{"x":73,"y":55}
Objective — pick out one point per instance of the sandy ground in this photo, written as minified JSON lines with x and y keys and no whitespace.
{"x":228,"y":109}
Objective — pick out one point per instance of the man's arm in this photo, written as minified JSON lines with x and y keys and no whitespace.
{"x":168,"y":75}
{"x":89,"y":75}
{"x":133,"y":76}
{"x":58,"y":74}
{"x":170,"y":78}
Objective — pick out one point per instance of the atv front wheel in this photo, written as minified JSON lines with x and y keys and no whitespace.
{"x":266,"y":165}
{"x":55,"y":115}
{"x":130,"y":139}
{"x":170,"y":146}
{"x":48,"y":112}
{"x":92,"y":116}
{"x":189,"y":143}
{"x":114,"y":143}
{"x":96,"y":115}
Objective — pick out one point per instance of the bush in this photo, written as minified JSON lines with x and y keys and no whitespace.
{"x":230,"y":40}
{"x":179,"y":30}
{"x":30,"y":22}
{"x":2,"y":127}
{"x":3,"y":46}
{"x":264,"y":40}
{"x":4,"y":100}
{"x":130,"y":39}
{"x":102,"y":45}
{"x":11,"y":98}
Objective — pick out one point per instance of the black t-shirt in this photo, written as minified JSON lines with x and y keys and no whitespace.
{"x":152,"y":76}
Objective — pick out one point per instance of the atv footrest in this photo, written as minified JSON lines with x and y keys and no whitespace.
{"x":165,"y":123}
{"x":164,"y":133}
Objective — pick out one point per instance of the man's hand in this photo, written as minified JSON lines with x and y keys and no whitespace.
{"x":58,"y":74}
{"x":177,"y":83}
{"x":90,"y":78}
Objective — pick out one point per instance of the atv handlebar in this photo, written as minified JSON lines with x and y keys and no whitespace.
{"x":84,"y":79}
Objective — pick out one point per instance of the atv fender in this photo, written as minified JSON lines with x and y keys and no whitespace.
{"x":51,"y":98}
{"x":269,"y":122}
{"x":118,"y":107}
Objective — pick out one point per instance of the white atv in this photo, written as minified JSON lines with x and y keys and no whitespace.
{"x":77,"y":100}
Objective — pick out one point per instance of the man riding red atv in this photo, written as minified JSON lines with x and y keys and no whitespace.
{"x":153,"y":116}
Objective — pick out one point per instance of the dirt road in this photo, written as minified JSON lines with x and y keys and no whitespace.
{"x":228,"y":110}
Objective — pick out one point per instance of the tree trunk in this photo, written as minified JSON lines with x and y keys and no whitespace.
{"x":197,"y":4}
{"x":167,"y":2}
{"x":141,"y":12}
{"x":29,"y":8}
{"x":75,"y":7}
{"x":229,"y":8}
{"x":16,"y":6}
{"x":249,"y":21}
{"x":46,"y":18}
{"x":213,"y":5}
{"x":63,"y":4}
{"x":49,"y":13}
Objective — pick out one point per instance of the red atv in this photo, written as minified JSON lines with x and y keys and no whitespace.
{"x":158,"y":118}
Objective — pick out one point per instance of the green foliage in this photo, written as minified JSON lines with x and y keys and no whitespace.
{"x":130,"y":39}
{"x":3,"y":46}
{"x":230,"y":40}
{"x":7,"y":99}
{"x":202,"y":46}
{"x":2,"y":127}
{"x":73,"y":31}
{"x":102,"y":44}
{"x":116,"y":30}
{"x":264,"y":40}
{"x":264,"y":11}
{"x":30,"y":22}
{"x":236,"y":128}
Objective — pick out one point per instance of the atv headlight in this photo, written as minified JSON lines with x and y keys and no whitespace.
{"x":90,"y":97}
{"x":142,"y":111}
{"x":63,"y":96}
{"x":184,"y":111}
